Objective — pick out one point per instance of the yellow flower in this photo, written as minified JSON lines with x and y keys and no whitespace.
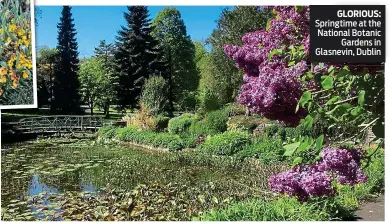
{"x":12,"y":28}
{"x":11,"y":61}
{"x":8,"y":39}
{"x":3,"y":79}
{"x":3,"y":70}
{"x":25,"y":74}
{"x":15,"y":84}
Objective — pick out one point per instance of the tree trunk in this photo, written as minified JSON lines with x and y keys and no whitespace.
{"x":107,"y":109}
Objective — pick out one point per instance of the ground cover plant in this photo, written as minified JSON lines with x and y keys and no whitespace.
{"x":16,"y":87}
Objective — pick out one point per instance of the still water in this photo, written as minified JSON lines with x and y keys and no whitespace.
{"x":35,"y":174}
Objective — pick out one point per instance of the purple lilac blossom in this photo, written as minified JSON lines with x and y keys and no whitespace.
{"x":316,"y":180}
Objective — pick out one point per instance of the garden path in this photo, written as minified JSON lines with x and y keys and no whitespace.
{"x":372,"y":210}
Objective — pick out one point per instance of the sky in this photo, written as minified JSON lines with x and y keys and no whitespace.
{"x":95,"y":23}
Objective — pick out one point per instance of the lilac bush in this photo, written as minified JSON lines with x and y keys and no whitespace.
{"x":315,"y":180}
{"x":271,"y":87}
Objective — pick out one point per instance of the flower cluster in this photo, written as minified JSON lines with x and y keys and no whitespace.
{"x":15,"y":47}
{"x":271,"y":87}
{"x":316,"y":180}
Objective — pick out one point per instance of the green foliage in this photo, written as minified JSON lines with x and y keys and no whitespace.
{"x":207,"y":99}
{"x":92,"y":81}
{"x":199,"y":128}
{"x":161,"y":122}
{"x":227,"y":143}
{"x":181,"y":123}
{"x":281,"y":209}
{"x":107,"y":132}
{"x":105,"y":54}
{"x":154,"y":95}
{"x":46,"y":58}
{"x":243,"y":123}
{"x":267,"y":150}
{"x":149,"y":138}
{"x":169,"y":29}
{"x":188,"y":102}
{"x":216,"y":121}
{"x":235,"y":109}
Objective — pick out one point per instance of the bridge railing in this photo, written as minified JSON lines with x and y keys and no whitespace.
{"x":58,"y":123}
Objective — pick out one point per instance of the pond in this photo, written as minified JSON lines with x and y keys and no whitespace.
{"x":78,"y":179}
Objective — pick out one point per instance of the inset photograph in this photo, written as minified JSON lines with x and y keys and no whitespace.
{"x":16,"y":49}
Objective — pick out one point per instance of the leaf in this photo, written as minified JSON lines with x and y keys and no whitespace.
{"x":319,"y":142}
{"x":297,"y":160}
{"x":333,"y":100}
{"x":268,"y":24}
{"x":355,"y":111}
{"x":361,"y":96}
{"x":303,"y":99}
{"x":327,"y":82}
{"x":308,"y":122}
{"x":291,"y":63}
{"x":3,"y":64}
{"x":274,"y":52}
{"x":291,"y":148}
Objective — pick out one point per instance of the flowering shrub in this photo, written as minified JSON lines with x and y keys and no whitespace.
{"x":15,"y":48}
{"x":272,"y":85}
{"x":281,"y":84}
{"x":304,"y":181}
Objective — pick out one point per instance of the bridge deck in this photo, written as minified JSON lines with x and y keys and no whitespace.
{"x":59,"y":123}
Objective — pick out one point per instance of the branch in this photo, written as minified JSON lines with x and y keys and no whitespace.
{"x":346,"y":100}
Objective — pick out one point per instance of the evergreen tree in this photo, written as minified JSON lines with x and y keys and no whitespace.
{"x":181,"y":74}
{"x":136,"y":56}
{"x":66,"y":98}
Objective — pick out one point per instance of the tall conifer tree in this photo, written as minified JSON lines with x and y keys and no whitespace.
{"x":66,"y":98}
{"x":136,"y":55}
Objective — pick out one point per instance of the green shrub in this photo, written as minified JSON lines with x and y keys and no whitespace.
{"x":216,"y":121}
{"x":166,"y":140}
{"x":150,"y":138}
{"x":161,"y":122}
{"x":235,"y":109}
{"x":227,"y":143}
{"x":282,"y":209}
{"x":243,"y":123}
{"x":199,"y":128}
{"x":107,"y":132}
{"x":154,"y":95}
{"x":267,"y":150}
{"x":181,"y":123}
{"x":207,"y":100}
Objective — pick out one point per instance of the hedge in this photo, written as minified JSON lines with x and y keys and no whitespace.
{"x":146,"y":138}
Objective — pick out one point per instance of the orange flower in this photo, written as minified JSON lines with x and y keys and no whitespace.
{"x":3,"y":70}
{"x":1,"y":91}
